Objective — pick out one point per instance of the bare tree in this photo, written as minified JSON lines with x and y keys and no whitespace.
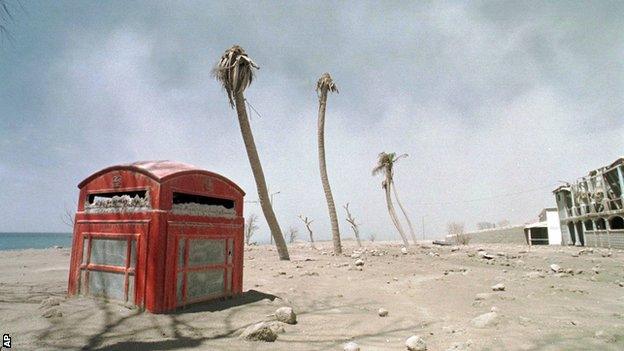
{"x":292,"y":234}
{"x":250,"y":227}
{"x":234,"y":72}
{"x":307,"y":223}
{"x":456,"y":230}
{"x":68,"y":218}
{"x":354,"y":224}
{"x":323,"y":86}
{"x":371,"y":238}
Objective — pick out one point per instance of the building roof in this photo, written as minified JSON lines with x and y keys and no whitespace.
{"x":543,"y":224}
{"x":616,"y":162}
{"x":565,"y":187}
{"x":159,"y":171}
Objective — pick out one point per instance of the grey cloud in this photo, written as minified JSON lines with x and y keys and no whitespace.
{"x":486,"y":97}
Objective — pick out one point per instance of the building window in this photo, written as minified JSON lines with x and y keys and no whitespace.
{"x":616,"y":223}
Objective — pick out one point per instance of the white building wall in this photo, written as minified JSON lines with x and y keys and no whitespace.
{"x":554,"y":227}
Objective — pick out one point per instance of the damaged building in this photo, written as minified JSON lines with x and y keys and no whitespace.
{"x":590,"y":209}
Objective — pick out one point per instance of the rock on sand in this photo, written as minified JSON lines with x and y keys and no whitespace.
{"x":499,"y":287}
{"x":286,"y":315}
{"x":259,"y":332}
{"x":415,"y":343}
{"x":555,"y":268}
{"x":485,"y":320}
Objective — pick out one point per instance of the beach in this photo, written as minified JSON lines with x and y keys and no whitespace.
{"x":447,"y":295}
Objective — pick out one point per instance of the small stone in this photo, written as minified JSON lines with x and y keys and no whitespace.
{"x":555,"y":268}
{"x":415,"y":343}
{"x":499,"y":287}
{"x":259,"y":332}
{"x":359,"y":262}
{"x":277,"y":327}
{"x":50,"y":301}
{"x":485,"y":320}
{"x":535,"y":274}
{"x":309,"y":274}
{"x":482,"y":296}
{"x":52,"y":313}
{"x":382,"y":312}
{"x":351,"y":346}
{"x":485,"y":255}
{"x":355,"y":255}
{"x":404,"y":250}
{"x":286,"y":315}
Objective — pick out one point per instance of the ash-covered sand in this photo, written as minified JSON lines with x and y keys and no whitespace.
{"x":431,"y":292}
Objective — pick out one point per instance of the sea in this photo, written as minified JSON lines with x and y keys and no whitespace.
{"x":21,"y":241}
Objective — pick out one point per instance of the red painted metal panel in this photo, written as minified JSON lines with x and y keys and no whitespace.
{"x":156,"y":229}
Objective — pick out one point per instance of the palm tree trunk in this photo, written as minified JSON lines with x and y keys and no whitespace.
{"x":409,"y":223}
{"x":324,"y":179}
{"x":256,"y":168}
{"x":393,"y":215}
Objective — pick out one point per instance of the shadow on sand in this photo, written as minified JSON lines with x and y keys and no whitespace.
{"x":249,"y":296}
{"x":182,"y":335}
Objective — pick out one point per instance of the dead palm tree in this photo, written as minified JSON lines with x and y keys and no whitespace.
{"x":323,"y":86}
{"x":409,"y":222}
{"x":385,"y":163}
{"x":234,"y":72}
{"x":6,"y":16}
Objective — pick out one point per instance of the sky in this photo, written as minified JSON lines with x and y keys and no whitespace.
{"x":495,"y":102}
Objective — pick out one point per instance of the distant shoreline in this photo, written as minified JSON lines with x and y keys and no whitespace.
{"x":11,"y":241}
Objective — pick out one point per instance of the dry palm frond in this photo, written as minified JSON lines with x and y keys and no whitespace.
{"x":384,"y":162}
{"x":234,"y":71}
{"x":378,"y":169}
{"x":325,"y":83}
{"x":6,"y":16}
